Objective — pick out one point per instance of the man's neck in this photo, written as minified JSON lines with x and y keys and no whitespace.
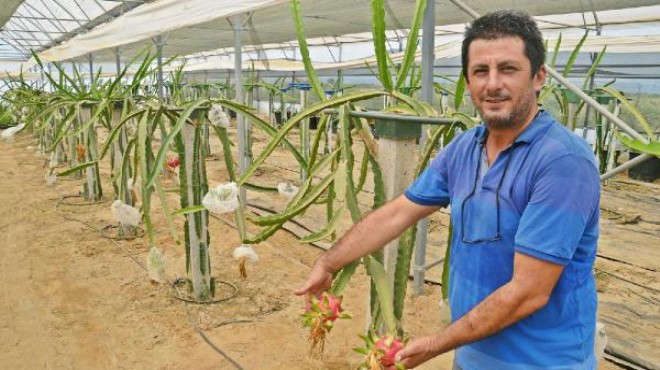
{"x":500,"y":138}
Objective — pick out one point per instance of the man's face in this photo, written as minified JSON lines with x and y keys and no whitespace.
{"x":500,"y":82}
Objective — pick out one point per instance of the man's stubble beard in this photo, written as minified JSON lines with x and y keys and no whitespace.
{"x":514,"y":118}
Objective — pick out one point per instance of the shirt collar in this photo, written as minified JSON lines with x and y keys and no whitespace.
{"x":539,"y":125}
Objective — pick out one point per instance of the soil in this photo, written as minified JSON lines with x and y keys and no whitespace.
{"x":72,"y":299}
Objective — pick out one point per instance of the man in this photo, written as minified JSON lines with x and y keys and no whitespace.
{"x":524,"y":194}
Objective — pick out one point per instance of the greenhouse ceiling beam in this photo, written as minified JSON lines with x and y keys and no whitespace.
{"x":32,"y":42}
{"x":103,"y":18}
{"x":50,"y":20}
{"x":74,"y":18}
{"x":82,"y":10}
{"x":26,"y":31}
{"x":599,"y":26}
{"x":54,"y":16}
{"x":21,"y":28}
{"x":15,"y":15}
{"x":9,"y":39}
{"x":99,"y":5}
{"x":33,"y":22}
{"x":17,"y":44}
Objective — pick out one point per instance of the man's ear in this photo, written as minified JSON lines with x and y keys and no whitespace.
{"x":539,"y":78}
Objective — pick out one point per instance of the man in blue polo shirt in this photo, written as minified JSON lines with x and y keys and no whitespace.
{"x":524,"y":195}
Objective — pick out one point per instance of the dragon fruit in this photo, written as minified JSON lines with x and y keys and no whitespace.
{"x":381,"y":352}
{"x":320,"y":318}
{"x":173,"y":162}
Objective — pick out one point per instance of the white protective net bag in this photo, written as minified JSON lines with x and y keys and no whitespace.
{"x":287,"y":190}
{"x":125,"y":214}
{"x":156,"y":263}
{"x":221,"y":199}
{"x":217,"y":117}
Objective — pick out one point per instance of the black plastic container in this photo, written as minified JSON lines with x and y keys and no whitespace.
{"x":648,"y":170}
{"x":314,"y":122}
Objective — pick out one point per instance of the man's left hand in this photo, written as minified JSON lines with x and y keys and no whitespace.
{"x":417,"y":352}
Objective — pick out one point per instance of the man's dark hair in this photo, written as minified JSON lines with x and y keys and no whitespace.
{"x":506,"y":23}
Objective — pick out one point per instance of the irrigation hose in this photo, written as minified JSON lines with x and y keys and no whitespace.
{"x":172,"y":283}
{"x":190,"y":300}
{"x":139,"y":233}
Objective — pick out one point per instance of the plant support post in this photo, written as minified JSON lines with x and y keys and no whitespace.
{"x":428,"y":57}
{"x":242,"y":125}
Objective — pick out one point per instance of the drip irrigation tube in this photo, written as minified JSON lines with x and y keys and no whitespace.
{"x":172,"y":283}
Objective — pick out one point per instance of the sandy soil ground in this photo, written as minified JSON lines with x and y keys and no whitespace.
{"x":71,"y":299}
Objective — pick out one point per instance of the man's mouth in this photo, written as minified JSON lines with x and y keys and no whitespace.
{"x":495,"y":101}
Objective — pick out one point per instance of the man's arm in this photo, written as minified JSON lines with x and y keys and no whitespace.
{"x":370,"y":234}
{"x":528,"y":291}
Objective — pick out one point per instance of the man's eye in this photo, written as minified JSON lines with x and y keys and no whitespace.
{"x":509,"y":69}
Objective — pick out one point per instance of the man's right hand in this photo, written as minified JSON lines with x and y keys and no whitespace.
{"x":319,"y":280}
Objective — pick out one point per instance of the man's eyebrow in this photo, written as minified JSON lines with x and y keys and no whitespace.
{"x":508,"y":63}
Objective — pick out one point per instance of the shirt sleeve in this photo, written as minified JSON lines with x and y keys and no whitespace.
{"x":565,"y":199}
{"x":431,"y":187}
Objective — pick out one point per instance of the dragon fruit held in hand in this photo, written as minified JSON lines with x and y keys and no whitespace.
{"x":320,"y":318}
{"x":381,"y":352}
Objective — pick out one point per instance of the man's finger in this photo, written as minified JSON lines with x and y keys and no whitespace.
{"x":303,"y":289}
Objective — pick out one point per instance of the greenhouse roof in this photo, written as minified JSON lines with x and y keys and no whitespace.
{"x":207,"y":25}
{"x":73,"y":29}
{"x":37,"y":25}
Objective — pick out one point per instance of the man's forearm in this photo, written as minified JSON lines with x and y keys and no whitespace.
{"x":374,"y":231}
{"x":504,"y":307}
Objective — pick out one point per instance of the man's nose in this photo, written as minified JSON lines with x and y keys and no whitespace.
{"x":494,"y":81}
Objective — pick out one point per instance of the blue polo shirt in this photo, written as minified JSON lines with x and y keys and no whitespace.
{"x":540,"y":197}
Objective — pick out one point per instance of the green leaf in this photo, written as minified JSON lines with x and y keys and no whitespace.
{"x":446,"y":264}
{"x":115,"y":132}
{"x":304,"y":50}
{"x":411,"y":46}
{"x":574,"y":55}
{"x":652,"y":148}
{"x":187,"y":210}
{"x":343,"y":277}
{"x":402,"y":270}
{"x":76,"y":169}
{"x":384,"y":291}
{"x":632,"y":109}
{"x":362,"y":351}
{"x":554,"y":56}
{"x":379,"y":28}
{"x":327,"y":230}
{"x":226,"y":150}
{"x":168,"y":218}
{"x":294,"y":121}
{"x":415,"y":104}
{"x":299,"y":207}
{"x":460,"y":91}
{"x":265,"y":126}
{"x":594,"y":67}
{"x":162,"y":153}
